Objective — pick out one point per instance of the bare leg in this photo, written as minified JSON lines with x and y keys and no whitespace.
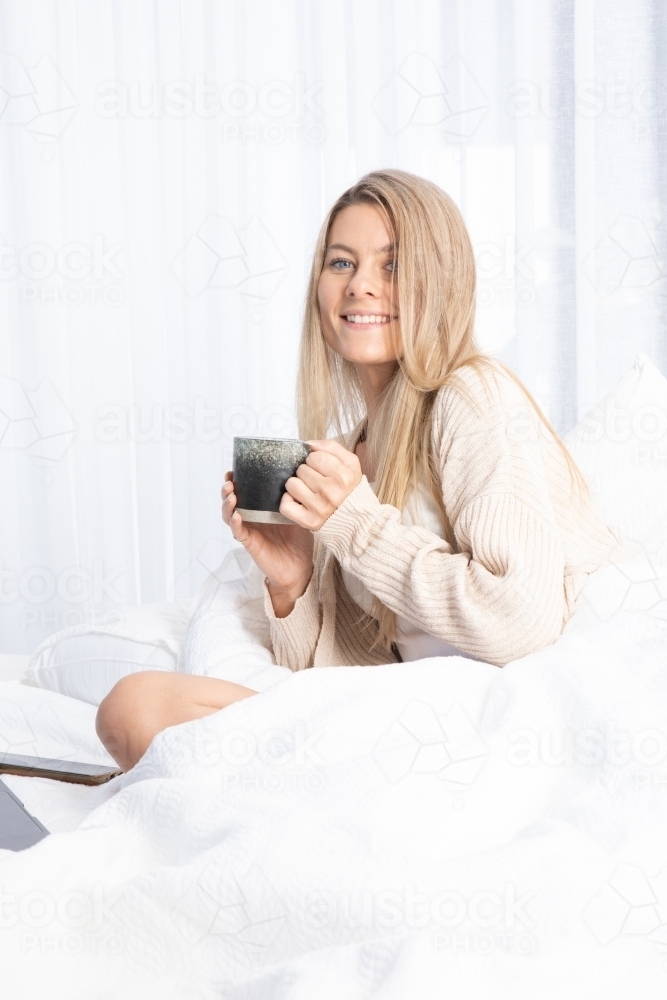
{"x":140,"y":706}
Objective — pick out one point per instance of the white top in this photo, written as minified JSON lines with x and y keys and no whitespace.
{"x":413,"y":642}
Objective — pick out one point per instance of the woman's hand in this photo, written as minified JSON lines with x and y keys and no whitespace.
{"x":321,"y":484}
{"x":282,"y":552}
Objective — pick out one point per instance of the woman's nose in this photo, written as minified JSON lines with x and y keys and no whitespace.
{"x":362,"y":282}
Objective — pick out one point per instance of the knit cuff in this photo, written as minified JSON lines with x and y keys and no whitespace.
{"x":347,"y":531}
{"x":300,"y":629}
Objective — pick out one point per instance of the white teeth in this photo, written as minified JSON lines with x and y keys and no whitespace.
{"x":367,"y":319}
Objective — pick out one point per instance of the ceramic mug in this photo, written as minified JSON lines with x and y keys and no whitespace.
{"x":261,"y":467}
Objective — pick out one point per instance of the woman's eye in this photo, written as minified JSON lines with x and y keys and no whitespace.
{"x":392,"y":265}
{"x":339,"y":260}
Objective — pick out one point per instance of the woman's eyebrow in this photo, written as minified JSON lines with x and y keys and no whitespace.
{"x":342,"y":246}
{"x":338,"y":246}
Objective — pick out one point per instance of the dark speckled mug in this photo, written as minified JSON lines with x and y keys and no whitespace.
{"x":262,"y":466}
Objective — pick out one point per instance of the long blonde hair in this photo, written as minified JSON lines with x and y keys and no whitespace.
{"x":436,"y":300}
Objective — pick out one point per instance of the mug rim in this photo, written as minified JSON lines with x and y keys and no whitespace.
{"x":252,"y":437}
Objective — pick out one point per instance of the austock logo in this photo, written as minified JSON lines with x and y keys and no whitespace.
{"x":273,"y":112}
{"x":631,"y":584}
{"x":36,"y":98}
{"x":220,"y":256}
{"x":242,"y":911}
{"x":626,"y":257}
{"x":36,"y":422}
{"x":630,"y":903}
{"x":421,"y":742}
{"x":17,"y":734}
{"x":66,"y":923}
{"x":422,"y":94}
{"x":72,"y":274}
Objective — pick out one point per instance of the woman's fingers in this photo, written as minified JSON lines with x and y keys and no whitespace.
{"x":232,"y":517}
{"x":228,"y":495}
{"x":327,"y":445}
{"x":227,"y":486}
{"x":295,"y":511}
{"x":320,"y":495}
{"x":321,"y":484}
{"x":239,"y":529}
{"x":310,"y":476}
{"x":303,"y":493}
{"x":323,"y":462}
{"x":306,"y":507}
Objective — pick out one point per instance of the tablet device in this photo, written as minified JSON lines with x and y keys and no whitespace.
{"x":18,"y":829}
{"x":62,"y":770}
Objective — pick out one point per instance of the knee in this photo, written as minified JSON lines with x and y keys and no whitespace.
{"x":120,"y":719}
{"x":120,"y":703}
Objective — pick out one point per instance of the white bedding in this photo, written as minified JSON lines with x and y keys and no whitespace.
{"x":437,"y":828}
{"x":44,"y":724}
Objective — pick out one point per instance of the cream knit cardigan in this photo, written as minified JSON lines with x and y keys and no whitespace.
{"x":525,"y":548}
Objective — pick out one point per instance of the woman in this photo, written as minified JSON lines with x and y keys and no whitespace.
{"x":451,"y":519}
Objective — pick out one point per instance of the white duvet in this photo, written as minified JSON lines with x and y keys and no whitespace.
{"x":441,"y":828}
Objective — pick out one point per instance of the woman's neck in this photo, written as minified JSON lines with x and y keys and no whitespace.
{"x":374,"y":379}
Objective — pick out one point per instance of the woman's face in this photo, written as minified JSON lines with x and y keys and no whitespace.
{"x":359,"y":312}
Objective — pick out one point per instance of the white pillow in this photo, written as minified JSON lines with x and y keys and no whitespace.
{"x":85,"y":661}
{"x":621,"y":448}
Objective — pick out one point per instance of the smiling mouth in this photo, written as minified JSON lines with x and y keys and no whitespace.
{"x":367,"y":319}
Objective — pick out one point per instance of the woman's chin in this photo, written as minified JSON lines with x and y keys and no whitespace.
{"x":368,"y":356}
{"x":374,"y":361}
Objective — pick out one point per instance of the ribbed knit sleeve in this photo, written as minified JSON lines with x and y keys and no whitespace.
{"x":294,"y":638}
{"x":502,"y":596}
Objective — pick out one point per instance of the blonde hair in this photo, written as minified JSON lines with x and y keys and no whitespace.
{"x":436,"y":300}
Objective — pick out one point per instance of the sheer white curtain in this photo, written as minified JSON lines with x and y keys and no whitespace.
{"x":164,"y":169}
